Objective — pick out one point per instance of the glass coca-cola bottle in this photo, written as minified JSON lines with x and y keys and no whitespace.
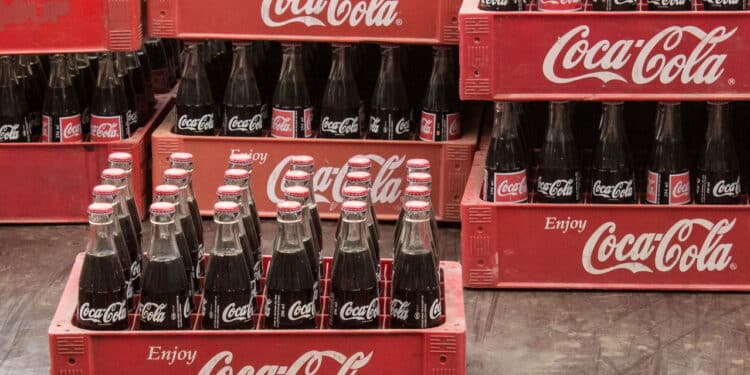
{"x":243,"y":107}
{"x":228,"y":293}
{"x":362,"y":164}
{"x":121,"y":68}
{"x":390,"y":113}
{"x":244,"y":161}
{"x":14,"y":125}
{"x":118,"y":178}
{"x":359,"y":194}
{"x":289,"y":282}
{"x":301,"y":195}
{"x":248,"y":213}
{"x":668,"y":174}
{"x":124,"y":161}
{"x":441,"y":116}
{"x":302,"y":178}
{"x":718,"y":174}
{"x":340,"y":109}
{"x":292,"y":111}
{"x":139,"y":86}
{"x":559,"y":176}
{"x":354,"y":293}
{"x":107,"y":194}
{"x":109,"y":107}
{"x":415,"y":289}
{"x":157,"y":56}
{"x":184,"y":160}
{"x":171,"y":194}
{"x":612,"y":172}
{"x":417,"y":193}
{"x":179,"y":178}
{"x":506,"y":165}
{"x":102,"y":299}
{"x":61,"y":112}
{"x":250,"y":246}
{"x":83,"y":83}
{"x":165,"y":296}
{"x":195,"y":102}
{"x":147,"y":75}
{"x":362,"y":180}
{"x":33,"y":98}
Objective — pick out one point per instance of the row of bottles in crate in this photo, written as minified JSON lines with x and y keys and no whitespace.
{"x":232,"y":285}
{"x":662,"y":167}
{"x":78,"y":97}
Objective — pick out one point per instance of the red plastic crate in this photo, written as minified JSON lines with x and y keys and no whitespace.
{"x":47,"y":26}
{"x":554,"y":246}
{"x":694,"y":55}
{"x":393,"y":21}
{"x":61,"y":175}
{"x":450,"y":166}
{"x":439,"y":350}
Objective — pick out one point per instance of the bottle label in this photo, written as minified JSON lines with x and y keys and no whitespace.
{"x":679,"y":188}
{"x":560,"y":5}
{"x":106,"y":128}
{"x":168,"y":313}
{"x":288,"y":309}
{"x":160,"y":80}
{"x":243,"y":121}
{"x":362,"y":313}
{"x":725,"y":188}
{"x":652,"y":187}
{"x":70,"y":129}
{"x":46,"y":121}
{"x":228,"y":311}
{"x":674,"y":189}
{"x":506,"y":5}
{"x":10,"y":133}
{"x":562,"y":189}
{"x":614,"y":5}
{"x":717,"y":189}
{"x":283,"y":123}
{"x":508,"y":187}
{"x":440,"y":126}
{"x":668,"y":4}
{"x":104,"y":316}
{"x":416,"y":310}
{"x":344,"y":128}
{"x":454,"y":125}
{"x":724,"y":4}
{"x":619,"y":190}
{"x":201,"y":124}
{"x":307,"y":118}
{"x":427,"y":126}
{"x":132,"y":119}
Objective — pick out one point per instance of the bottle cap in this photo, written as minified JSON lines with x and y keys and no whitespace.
{"x":184,"y":157}
{"x":297,"y":192}
{"x":236,"y":174}
{"x":417,"y":191}
{"x":354,"y":191}
{"x":226,"y":207}
{"x":100,"y":208}
{"x":114,"y":173}
{"x":289,"y":207}
{"x":296,"y":176}
{"x":175,"y":173}
{"x":360,"y":162}
{"x":417,"y":163}
{"x":358,"y":177}
{"x":419,"y":177}
{"x":104,"y":190}
{"x":228,"y":190}
{"x":417,"y":206}
{"x":162,"y":208}
{"x":354,"y":206}
{"x":303,"y":160}
{"x":120,"y":157}
{"x":166,"y":189}
{"x":241,"y":159}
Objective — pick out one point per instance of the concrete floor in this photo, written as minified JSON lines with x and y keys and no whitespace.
{"x":509,"y":332}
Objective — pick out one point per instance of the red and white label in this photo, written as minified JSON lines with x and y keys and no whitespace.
{"x":70,"y":129}
{"x":560,"y":5}
{"x":454,"y":126}
{"x":511,"y":187}
{"x":652,"y":188}
{"x":283,"y":123}
{"x":106,"y":128}
{"x":308,"y":116}
{"x":46,"y":120}
{"x":679,"y":188}
{"x":427,"y":126}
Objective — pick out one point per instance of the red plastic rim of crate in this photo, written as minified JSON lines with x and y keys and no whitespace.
{"x":396,"y":351}
{"x":694,"y":55}
{"x":588,"y":246}
{"x":393,"y":21}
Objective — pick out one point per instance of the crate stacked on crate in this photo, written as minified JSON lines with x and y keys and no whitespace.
{"x":692,"y":55}
{"x":364,"y":22}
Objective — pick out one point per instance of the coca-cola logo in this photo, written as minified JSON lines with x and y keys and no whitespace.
{"x":655,"y":59}
{"x":495,"y":2}
{"x":679,"y":188}
{"x":105,"y":127}
{"x":427,"y":126}
{"x":547,"y":3}
{"x":400,"y":309}
{"x":309,"y":363}
{"x":454,"y":125}
{"x":46,"y":122}
{"x":727,"y":189}
{"x":283,"y":123}
{"x":667,"y":3}
{"x":381,"y":13}
{"x":360,"y":313}
{"x":70,"y":128}
{"x":328,"y":181}
{"x":619,"y":190}
{"x":131,"y":117}
{"x":402,"y":126}
{"x":115,"y":312}
{"x":154,"y":312}
{"x":679,"y":247}
{"x":722,"y":2}
{"x":435,"y":309}
{"x":135,"y":270}
{"x":557,"y":188}
{"x":250,"y":125}
{"x":298,"y":311}
{"x":234,"y":313}
{"x":10,"y":132}
{"x":511,"y":187}
{"x":198,"y":124}
{"x":346,"y":126}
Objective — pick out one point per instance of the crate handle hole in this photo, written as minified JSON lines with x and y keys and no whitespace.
{"x":476,"y":73}
{"x":477,"y":40}
{"x":454,"y":20}
{"x":480,"y":229}
{"x":480,"y":262}
{"x":162,"y":13}
{"x":443,"y":358}
{"x":71,"y":361}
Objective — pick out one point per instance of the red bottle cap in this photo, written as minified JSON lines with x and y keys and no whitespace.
{"x":166,"y":189}
{"x":297,"y":191}
{"x":181,"y":156}
{"x":303,"y":160}
{"x":162,"y":208}
{"x":226,"y":207}
{"x":236,"y":174}
{"x":417,"y":206}
{"x":100,"y":208}
{"x":104,"y":190}
{"x":242,"y":159}
{"x":419,"y":177}
{"x":358,"y":177}
{"x":113,"y":173}
{"x":296,"y":176}
{"x":120,"y":157}
{"x":289,"y":206}
{"x":360,"y":162}
{"x":354,"y":191}
{"x":417,"y":191}
{"x":354,"y":206}
{"x":175,"y":173}
{"x":417,"y":163}
{"x":228,"y":190}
